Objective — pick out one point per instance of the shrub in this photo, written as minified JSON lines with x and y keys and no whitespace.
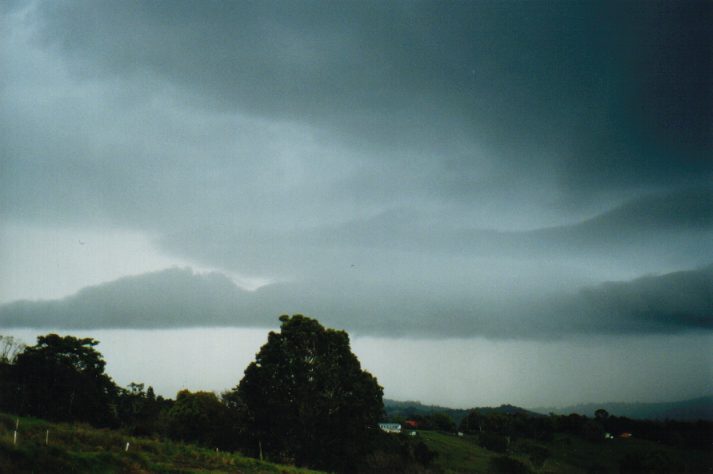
{"x":494,"y":442}
{"x":508,"y":465}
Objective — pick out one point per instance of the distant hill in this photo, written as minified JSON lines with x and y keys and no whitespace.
{"x":507,"y":410}
{"x":408,"y":409}
{"x":700,"y":408}
{"x":687,"y":410}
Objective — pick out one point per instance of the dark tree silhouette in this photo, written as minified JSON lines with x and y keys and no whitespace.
{"x":139,"y":411}
{"x":62,"y":378}
{"x":307,"y":398}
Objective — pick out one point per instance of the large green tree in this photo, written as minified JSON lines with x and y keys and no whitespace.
{"x":62,"y":378}
{"x":308,"y":399}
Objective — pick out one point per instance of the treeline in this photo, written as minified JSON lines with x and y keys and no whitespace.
{"x":304,"y":400}
{"x":531,"y":435}
{"x":517,"y":433}
{"x":62,"y":378}
{"x":697,"y":435}
{"x":512,"y":423}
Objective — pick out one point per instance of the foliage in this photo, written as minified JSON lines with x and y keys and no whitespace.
{"x":398,"y":412}
{"x":140,"y":411}
{"x":201,"y":418}
{"x":392,"y":453}
{"x":592,"y":431}
{"x":62,"y":378}
{"x":424,"y":455}
{"x":494,"y":442}
{"x":508,"y":465}
{"x":652,"y":462}
{"x":536,"y":453}
{"x":513,"y":425}
{"x":308,"y":399}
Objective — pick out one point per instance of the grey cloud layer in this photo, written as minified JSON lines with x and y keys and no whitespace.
{"x":420,"y":158}
{"x":670,"y":303}
{"x":492,"y":105}
{"x":670,"y":229}
{"x":572,"y":91}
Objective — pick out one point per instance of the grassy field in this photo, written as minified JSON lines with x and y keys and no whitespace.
{"x":457,"y":454}
{"x":568,"y":454}
{"x":82,"y":449}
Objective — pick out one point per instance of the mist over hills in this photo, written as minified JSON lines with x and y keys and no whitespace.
{"x":700,"y":408}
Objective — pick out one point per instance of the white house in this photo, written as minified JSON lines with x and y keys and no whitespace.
{"x":390,"y":427}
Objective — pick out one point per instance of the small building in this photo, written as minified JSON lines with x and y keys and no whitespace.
{"x":390,"y":427}
{"x":413,"y":424}
{"x":625,"y":435}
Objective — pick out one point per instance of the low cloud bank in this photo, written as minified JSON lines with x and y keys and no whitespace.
{"x":172,"y":298}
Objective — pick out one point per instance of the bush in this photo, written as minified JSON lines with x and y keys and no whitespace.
{"x":424,"y":455}
{"x":508,"y":465}
{"x":200,"y":417}
{"x":535,"y":453}
{"x":396,"y":454}
{"x":656,"y":461}
{"x":493,"y":442}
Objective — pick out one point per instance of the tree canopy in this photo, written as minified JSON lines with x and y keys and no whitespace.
{"x":62,"y":378}
{"x":201,"y":417}
{"x":308,"y":399}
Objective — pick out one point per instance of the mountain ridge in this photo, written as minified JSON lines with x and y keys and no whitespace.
{"x":691,"y":409}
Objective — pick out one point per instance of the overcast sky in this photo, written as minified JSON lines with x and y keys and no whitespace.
{"x":501,"y":184}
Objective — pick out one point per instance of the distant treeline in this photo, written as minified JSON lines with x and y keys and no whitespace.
{"x":514,"y":432}
{"x":694,"y":409}
{"x":409,"y":409}
{"x":515,"y":422}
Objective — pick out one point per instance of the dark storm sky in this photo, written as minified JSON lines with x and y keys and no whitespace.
{"x":500,"y":169}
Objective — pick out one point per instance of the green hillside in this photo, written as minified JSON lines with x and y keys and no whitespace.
{"x":82,"y":449}
{"x":564,"y":454}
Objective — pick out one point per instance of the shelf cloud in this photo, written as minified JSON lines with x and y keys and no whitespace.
{"x":177,"y":298}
